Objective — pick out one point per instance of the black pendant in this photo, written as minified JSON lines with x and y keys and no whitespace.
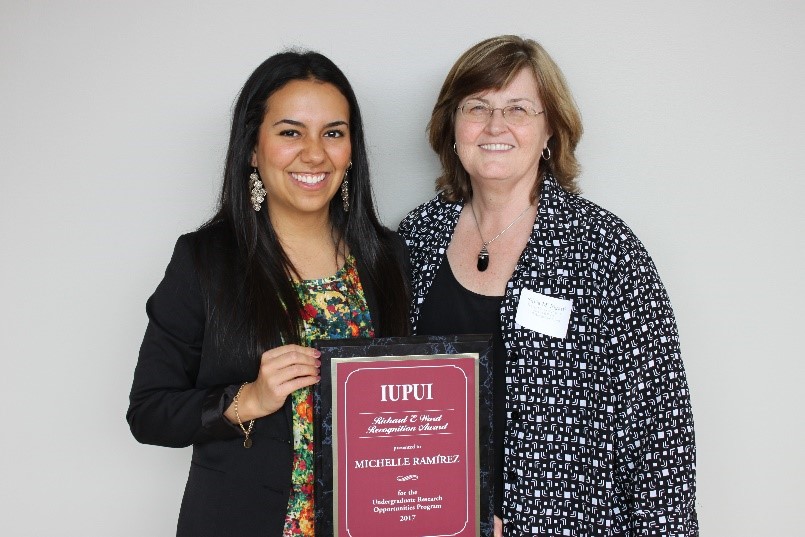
{"x":483,"y":259}
{"x":247,"y":443}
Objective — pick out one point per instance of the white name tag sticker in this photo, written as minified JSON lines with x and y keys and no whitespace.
{"x":544,"y":314}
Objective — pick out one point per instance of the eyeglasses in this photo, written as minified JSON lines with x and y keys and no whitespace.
{"x":514,"y":114}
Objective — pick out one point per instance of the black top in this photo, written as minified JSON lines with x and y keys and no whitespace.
{"x":185,"y":380}
{"x":478,"y":314}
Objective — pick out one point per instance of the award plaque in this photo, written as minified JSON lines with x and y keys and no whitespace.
{"x":402,"y":437}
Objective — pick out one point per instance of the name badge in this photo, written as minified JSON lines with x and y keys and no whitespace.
{"x":544,"y":314}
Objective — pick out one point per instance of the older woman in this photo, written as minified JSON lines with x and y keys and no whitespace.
{"x":294,"y":253}
{"x":593,"y":425}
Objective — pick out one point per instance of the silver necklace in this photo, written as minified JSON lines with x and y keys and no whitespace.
{"x":483,"y":255}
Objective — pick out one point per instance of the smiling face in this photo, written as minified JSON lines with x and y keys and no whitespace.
{"x":303,"y":148}
{"x":496,"y":152}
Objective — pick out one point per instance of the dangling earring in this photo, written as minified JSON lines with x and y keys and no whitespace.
{"x":548,"y":149}
{"x":454,"y":148}
{"x":345,"y":189}
{"x":257,"y":190}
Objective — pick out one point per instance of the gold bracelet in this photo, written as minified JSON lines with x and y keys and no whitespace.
{"x":247,"y":443}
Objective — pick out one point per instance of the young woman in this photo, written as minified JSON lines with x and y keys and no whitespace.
{"x":294,"y":253}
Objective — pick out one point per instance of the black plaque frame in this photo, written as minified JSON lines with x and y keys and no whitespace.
{"x":398,"y":346}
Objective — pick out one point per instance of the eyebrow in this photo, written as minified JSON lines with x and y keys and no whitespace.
{"x":295,"y":123}
{"x":513,"y":100}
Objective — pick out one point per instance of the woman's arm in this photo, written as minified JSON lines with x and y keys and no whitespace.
{"x":283,"y":370}
{"x":656,"y":449}
{"x":165,"y":405}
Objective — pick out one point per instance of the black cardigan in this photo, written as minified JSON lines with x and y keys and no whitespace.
{"x":598,"y":425}
{"x":183,"y":383}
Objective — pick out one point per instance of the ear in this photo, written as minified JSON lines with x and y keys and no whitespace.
{"x":254,"y":158}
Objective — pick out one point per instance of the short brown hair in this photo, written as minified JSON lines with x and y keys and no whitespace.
{"x":492,"y":64}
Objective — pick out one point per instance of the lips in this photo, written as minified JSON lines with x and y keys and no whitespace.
{"x":496,"y":147}
{"x":309,"y":178}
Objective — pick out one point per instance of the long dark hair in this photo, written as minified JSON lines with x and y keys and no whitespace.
{"x":256,"y":298}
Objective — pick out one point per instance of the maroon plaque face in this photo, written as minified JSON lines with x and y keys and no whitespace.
{"x":405,"y":439}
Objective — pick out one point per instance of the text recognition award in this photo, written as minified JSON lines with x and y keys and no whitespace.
{"x":402,"y":437}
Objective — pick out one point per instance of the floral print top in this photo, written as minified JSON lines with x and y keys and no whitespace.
{"x":332,"y":308}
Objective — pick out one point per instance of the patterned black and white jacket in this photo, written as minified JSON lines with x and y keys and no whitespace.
{"x":599,"y":432}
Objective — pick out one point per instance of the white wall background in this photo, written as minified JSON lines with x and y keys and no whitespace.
{"x":113,"y":128}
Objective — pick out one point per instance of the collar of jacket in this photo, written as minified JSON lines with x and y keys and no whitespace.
{"x":548,"y":252}
{"x":546,"y":258}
